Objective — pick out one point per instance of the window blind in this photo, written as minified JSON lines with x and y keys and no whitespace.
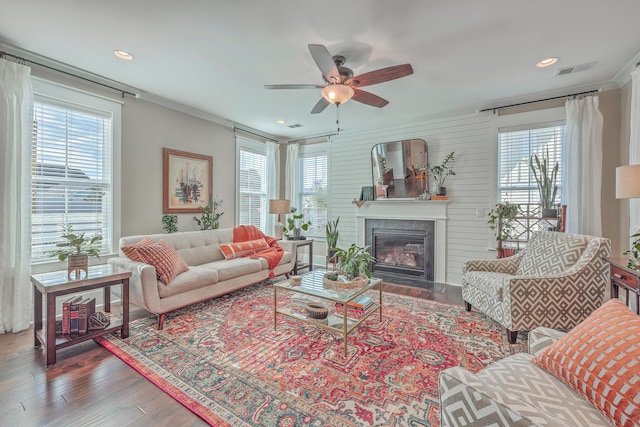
{"x":313,"y":194}
{"x":516,"y":182}
{"x":252,"y":188}
{"x":71,"y":175}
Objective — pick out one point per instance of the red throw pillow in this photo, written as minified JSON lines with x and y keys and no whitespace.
{"x":239,"y":249}
{"x":131,"y":251}
{"x":165,"y":259}
{"x":600,"y":359}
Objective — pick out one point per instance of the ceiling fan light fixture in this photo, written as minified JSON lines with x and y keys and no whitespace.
{"x":338,"y":93}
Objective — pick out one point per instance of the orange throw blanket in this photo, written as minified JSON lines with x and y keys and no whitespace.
{"x":273,"y":254}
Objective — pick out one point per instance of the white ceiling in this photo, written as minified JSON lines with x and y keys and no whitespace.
{"x":215,"y":56}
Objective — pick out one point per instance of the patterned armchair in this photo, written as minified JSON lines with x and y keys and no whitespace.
{"x":555,"y":282}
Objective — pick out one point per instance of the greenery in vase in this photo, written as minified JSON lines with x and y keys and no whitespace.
{"x":501,"y":217}
{"x":546,"y":179}
{"x":170,"y":223}
{"x":634,"y":252}
{"x":353,"y":261}
{"x":332,"y":234}
{"x":296,"y":221}
{"x":76,"y":244}
{"x":210,"y":217}
{"x":440,"y":172}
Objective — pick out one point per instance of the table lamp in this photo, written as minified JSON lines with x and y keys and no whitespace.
{"x":628,"y":182}
{"x":279,"y":206}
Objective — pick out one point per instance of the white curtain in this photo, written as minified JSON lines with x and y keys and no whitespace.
{"x":273,"y":182}
{"x":584,"y":166}
{"x":634,"y":147}
{"x":291,"y":175}
{"x":16,"y":126}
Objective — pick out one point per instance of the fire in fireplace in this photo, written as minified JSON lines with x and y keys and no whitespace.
{"x":404,"y":249}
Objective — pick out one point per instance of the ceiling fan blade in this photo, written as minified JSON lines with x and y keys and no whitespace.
{"x":324,"y":61}
{"x":293,"y":86}
{"x":369,"y":98}
{"x":382,"y":75}
{"x":320,"y":106}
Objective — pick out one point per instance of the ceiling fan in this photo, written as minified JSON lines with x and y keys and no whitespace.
{"x":340,"y":84}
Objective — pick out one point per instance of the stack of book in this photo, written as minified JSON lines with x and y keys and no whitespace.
{"x":75,"y":314}
{"x":356,"y":308}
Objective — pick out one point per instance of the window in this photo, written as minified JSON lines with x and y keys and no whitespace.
{"x":72,"y":171}
{"x":516,"y":182}
{"x":252,"y":179}
{"x":313,"y":195}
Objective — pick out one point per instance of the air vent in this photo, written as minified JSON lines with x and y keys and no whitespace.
{"x":576,"y":68}
{"x":297,"y":125}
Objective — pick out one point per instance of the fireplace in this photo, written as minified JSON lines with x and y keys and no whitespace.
{"x":404,"y":249}
{"x":410,"y":214}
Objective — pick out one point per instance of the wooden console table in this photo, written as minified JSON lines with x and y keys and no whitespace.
{"x":625,"y":278}
{"x":55,"y":284}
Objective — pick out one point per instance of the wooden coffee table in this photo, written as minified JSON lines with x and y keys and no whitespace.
{"x":312,"y":285}
{"x":55,"y":284}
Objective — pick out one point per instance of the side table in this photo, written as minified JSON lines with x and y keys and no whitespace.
{"x":299,"y":264}
{"x":55,"y":284}
{"x":625,"y":278}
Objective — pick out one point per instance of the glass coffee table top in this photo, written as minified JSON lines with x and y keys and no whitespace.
{"x":312,"y":284}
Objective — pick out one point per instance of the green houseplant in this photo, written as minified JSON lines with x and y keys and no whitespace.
{"x":76,"y":244}
{"x":546,"y":181}
{"x":76,"y":248}
{"x":353,"y":261}
{"x":331,"y":232}
{"x":170,"y":223}
{"x":440,"y":172}
{"x":501,"y":219}
{"x":634,"y":252}
{"x":296,"y":223}
{"x":210,"y":217}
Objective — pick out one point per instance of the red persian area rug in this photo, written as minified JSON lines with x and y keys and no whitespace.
{"x":223,"y":360}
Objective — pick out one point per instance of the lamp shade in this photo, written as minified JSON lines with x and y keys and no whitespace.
{"x":279,"y":206}
{"x":338,"y":93}
{"x":628,"y":182}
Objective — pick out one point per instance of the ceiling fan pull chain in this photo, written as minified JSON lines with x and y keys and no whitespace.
{"x":338,"y":118}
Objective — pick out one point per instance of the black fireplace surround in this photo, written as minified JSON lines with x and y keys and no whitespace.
{"x":404,"y":250}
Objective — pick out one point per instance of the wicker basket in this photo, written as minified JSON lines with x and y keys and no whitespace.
{"x":357,"y":282}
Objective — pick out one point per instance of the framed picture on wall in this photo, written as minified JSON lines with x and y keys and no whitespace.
{"x":186,"y":181}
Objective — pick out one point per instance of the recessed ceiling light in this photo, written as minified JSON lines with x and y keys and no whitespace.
{"x":546,"y":62}
{"x":280,"y":122}
{"x":123,"y":54}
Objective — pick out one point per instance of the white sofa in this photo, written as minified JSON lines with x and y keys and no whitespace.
{"x":209,"y":275}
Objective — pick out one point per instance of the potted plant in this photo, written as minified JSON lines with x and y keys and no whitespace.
{"x":500,"y":218}
{"x":210,"y":217}
{"x":441,"y":172}
{"x":331,"y":231}
{"x":634,"y":252}
{"x":546,"y":180}
{"x":295,"y":224}
{"x":353,"y":262}
{"x":170,"y":223}
{"x":77,"y":248}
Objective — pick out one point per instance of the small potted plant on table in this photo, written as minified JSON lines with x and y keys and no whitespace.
{"x":295,"y":225}
{"x":352,"y":266}
{"x":76,"y":248}
{"x":441,"y":172}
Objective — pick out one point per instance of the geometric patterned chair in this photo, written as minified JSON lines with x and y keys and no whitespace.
{"x":513,"y":392}
{"x":555,"y":282}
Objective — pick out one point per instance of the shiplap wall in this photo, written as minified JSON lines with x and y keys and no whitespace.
{"x":472,"y":188}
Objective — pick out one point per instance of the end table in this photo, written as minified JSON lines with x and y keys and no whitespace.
{"x":55,"y":284}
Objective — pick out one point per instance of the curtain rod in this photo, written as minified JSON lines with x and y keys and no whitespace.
{"x":24,"y":60}
{"x":571,"y":95}
{"x":236,"y":128}
{"x":313,"y":137}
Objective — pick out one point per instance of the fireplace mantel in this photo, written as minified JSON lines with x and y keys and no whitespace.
{"x":426,"y":210}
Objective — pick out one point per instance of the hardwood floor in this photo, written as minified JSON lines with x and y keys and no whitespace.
{"x":88,"y":386}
